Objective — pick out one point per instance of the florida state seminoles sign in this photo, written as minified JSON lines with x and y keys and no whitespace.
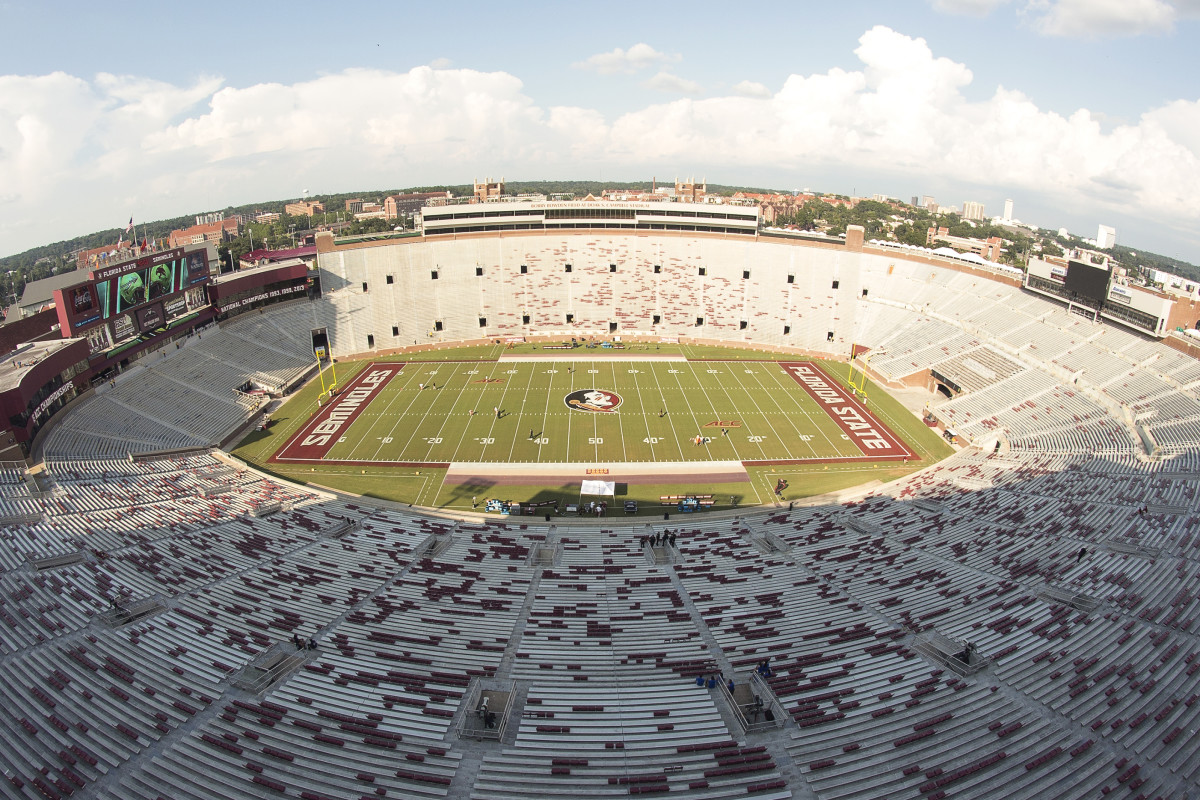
{"x":593,"y":400}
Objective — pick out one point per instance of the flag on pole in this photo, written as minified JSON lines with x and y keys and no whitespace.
{"x":129,"y":227}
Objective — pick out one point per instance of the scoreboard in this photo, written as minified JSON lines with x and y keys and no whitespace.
{"x":120,"y":301}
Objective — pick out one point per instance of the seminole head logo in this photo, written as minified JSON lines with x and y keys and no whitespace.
{"x":593,"y":400}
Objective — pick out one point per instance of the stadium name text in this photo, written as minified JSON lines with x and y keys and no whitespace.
{"x":346,"y":408}
{"x":841,"y":407}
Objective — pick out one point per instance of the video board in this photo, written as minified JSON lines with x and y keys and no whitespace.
{"x":1087,"y":280}
{"x":134,"y":296}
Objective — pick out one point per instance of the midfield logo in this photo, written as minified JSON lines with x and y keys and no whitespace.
{"x":593,"y":400}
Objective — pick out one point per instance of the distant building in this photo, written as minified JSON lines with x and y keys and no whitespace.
{"x":1106,"y":237}
{"x":268,"y":217}
{"x":690,"y":192}
{"x":304,"y":208}
{"x":972,"y":210}
{"x":989,"y":248}
{"x":929,"y":202}
{"x":354,"y":206}
{"x":399,"y":205}
{"x":489,"y":190}
{"x":212,"y":232}
{"x":210,"y":218}
{"x":1008,"y":209}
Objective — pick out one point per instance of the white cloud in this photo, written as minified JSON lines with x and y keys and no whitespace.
{"x":637,"y":58}
{"x":972,"y":8}
{"x":751,"y":89}
{"x":1102,"y":18}
{"x":117,"y":146}
{"x":441,"y":63}
{"x":668,"y":82}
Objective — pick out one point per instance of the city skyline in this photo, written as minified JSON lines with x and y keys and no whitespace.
{"x":1081,"y":112}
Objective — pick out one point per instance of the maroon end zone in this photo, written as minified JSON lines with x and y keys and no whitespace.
{"x":315,"y":439}
{"x":868,"y":434}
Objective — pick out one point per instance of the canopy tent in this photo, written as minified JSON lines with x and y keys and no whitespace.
{"x":604,"y":488}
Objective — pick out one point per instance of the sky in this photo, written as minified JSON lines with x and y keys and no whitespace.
{"x":1083,"y":112}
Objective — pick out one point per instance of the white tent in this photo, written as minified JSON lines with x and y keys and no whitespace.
{"x":603,"y":488}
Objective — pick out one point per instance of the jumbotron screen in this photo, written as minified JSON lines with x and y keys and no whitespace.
{"x":116,"y":290}
{"x":1087,"y":280}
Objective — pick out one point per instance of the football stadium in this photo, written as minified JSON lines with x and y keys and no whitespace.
{"x":580,"y":498}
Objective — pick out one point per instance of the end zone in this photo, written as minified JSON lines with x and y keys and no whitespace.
{"x":313,"y":441}
{"x":869,"y":435}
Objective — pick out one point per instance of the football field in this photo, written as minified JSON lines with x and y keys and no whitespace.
{"x":611,"y":410}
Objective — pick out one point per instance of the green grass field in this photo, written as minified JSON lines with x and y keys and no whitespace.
{"x":778,"y":421}
{"x":771,"y":417}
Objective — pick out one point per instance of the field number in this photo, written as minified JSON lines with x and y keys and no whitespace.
{"x":634,"y":372}
{"x":341,"y":439}
{"x":551,"y":372}
{"x":510,"y":372}
{"x":804,"y":437}
{"x":844,"y":436}
{"x":488,"y":440}
{"x":596,"y":440}
{"x":754,"y":438}
{"x":432,"y":372}
{"x":472,"y":372}
{"x":713,"y":371}
{"x":543,"y":440}
{"x":387,"y":440}
{"x":672,"y":372}
{"x":749,"y":372}
{"x":593,"y":372}
{"x":650,"y":440}
{"x":436,"y":440}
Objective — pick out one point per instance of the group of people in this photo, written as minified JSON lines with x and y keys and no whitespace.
{"x":764,"y":668}
{"x":301,"y":644}
{"x":657,"y":539}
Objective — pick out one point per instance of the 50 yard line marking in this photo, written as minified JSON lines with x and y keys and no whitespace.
{"x":620,"y":422}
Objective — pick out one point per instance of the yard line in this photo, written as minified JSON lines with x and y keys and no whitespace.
{"x":445,"y":417}
{"x":383,"y":415}
{"x":663,"y":399}
{"x":499,"y":404}
{"x":371,"y":417}
{"x":695,"y":419}
{"x":521,"y":416}
{"x":781,"y":378}
{"x":467,"y":427}
{"x":761,"y":451}
{"x":774,"y":395}
{"x":637,"y":387}
{"x":546,"y":411}
{"x":620,"y":422}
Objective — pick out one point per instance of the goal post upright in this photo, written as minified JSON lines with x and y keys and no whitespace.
{"x":859,"y":388}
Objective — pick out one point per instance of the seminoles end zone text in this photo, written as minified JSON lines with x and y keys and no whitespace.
{"x":316,"y":438}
